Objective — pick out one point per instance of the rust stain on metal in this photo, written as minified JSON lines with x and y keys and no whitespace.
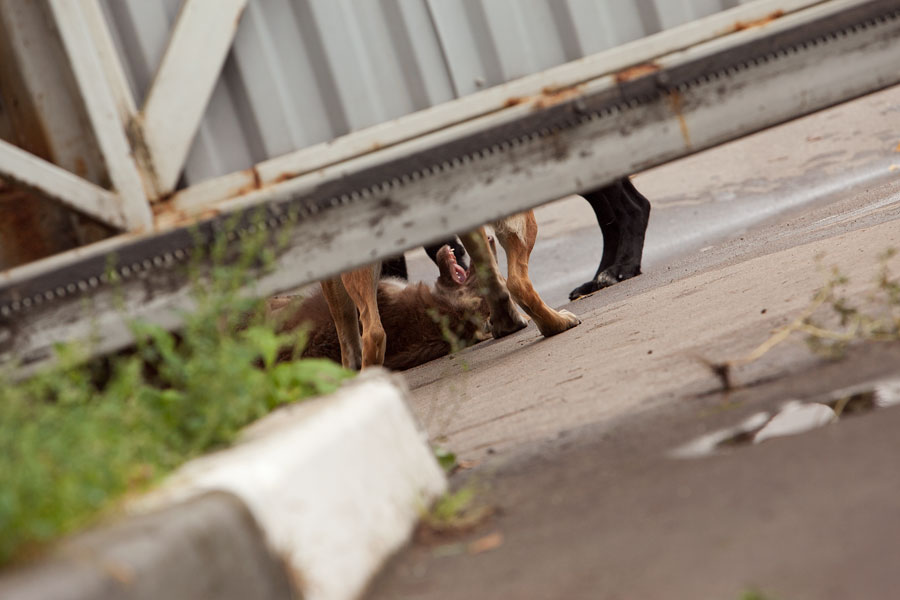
{"x":549,"y":96}
{"x":166,"y":215}
{"x":31,"y":226}
{"x":636,"y":72}
{"x":897,"y":149}
{"x":742,"y":25}
{"x":676,"y":101}
{"x":254,"y":184}
{"x":80,"y":167}
{"x":166,"y":212}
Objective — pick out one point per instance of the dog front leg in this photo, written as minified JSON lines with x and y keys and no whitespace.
{"x":362,"y":287}
{"x":505,"y":319}
{"x":343,"y":313}
{"x":517,"y":235}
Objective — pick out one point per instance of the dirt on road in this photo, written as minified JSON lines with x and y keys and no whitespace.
{"x":570,"y":437}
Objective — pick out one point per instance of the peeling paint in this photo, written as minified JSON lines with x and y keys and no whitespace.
{"x":254,"y":183}
{"x":743,"y":25}
{"x":549,"y":96}
{"x":636,"y":72}
{"x":165,"y":216}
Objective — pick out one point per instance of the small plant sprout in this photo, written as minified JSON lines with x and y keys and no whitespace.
{"x":877,"y":321}
{"x":77,"y":437}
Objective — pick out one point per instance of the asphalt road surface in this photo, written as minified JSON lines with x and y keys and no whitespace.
{"x":570,"y":438}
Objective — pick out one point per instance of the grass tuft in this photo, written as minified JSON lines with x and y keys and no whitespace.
{"x":78,"y":436}
{"x":454,"y":514}
{"x":850,"y":324}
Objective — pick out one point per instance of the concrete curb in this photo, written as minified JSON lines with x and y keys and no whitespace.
{"x":209,"y":547}
{"x":336,"y":485}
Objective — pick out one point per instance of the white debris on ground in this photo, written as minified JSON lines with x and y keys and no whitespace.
{"x":796,"y":417}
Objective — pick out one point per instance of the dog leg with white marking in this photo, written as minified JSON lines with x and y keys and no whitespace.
{"x":517,"y":235}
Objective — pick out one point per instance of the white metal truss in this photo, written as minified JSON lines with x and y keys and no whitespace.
{"x":452,"y":167}
{"x":100,"y":103}
{"x":184,"y":82}
{"x":26,"y":169}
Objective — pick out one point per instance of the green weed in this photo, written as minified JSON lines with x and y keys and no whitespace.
{"x":78,"y":436}
{"x":455,"y":513}
{"x":877,"y":321}
{"x":880,"y":323}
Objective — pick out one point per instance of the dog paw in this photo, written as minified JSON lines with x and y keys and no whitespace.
{"x":507,"y":326}
{"x":603,"y":280}
{"x":565,"y":320}
{"x":585,"y":289}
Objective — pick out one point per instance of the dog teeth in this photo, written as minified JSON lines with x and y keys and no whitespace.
{"x":459,"y":273}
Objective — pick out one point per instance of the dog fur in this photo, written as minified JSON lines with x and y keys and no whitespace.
{"x":622,"y":214}
{"x":421,"y":322}
{"x":356,"y":291}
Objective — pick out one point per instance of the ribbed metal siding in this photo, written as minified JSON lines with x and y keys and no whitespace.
{"x":306,"y":71}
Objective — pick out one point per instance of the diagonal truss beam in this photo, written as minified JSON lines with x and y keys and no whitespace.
{"x":26,"y":169}
{"x":109,"y":58}
{"x":101,"y":106}
{"x":183,"y":85}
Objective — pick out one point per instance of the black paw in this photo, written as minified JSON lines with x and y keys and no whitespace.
{"x":603,"y":280}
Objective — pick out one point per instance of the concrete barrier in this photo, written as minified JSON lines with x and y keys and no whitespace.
{"x":335,"y":485}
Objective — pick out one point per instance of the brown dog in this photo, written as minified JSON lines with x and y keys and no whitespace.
{"x":421,"y":322}
{"x":357,"y":291}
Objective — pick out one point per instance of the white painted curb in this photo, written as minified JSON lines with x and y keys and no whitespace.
{"x":336,"y":483}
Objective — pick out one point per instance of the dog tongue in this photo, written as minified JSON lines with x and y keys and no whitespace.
{"x":459,"y":273}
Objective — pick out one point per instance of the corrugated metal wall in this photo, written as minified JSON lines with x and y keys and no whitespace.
{"x":306,"y":71}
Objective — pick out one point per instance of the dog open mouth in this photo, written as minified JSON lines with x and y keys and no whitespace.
{"x":450,"y":270}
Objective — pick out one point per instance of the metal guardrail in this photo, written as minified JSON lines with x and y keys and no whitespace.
{"x":451,"y":168}
{"x":301,"y":72}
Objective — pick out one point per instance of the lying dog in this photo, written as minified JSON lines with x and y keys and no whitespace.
{"x":421,"y":322}
{"x":352,"y":301}
{"x":622,"y":214}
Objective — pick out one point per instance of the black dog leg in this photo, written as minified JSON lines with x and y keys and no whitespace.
{"x":395,"y":266}
{"x":622,"y":213}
